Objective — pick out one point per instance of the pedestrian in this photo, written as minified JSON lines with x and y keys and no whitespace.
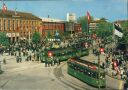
{"x":17,"y":59}
{"x":46,"y":62}
{"x":4,"y":60}
{"x":27,"y":58}
{"x":54,"y":61}
{"x":103,"y":65}
{"x":20,"y":59}
{"x":30,"y":57}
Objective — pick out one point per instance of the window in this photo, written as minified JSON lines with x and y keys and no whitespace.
{"x":4,"y":24}
{"x":8,"y":24}
{"x":32,"y":23}
{"x":13,"y":25}
{"x":0,"y":24}
{"x":16,"y":24}
{"x":20,"y":23}
{"x":81,"y":69}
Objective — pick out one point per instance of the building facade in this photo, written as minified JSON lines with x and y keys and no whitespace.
{"x":52,"y":27}
{"x":77,"y":28}
{"x":19,"y":25}
{"x":93,"y":25}
{"x":71,"y":17}
{"x":61,"y":27}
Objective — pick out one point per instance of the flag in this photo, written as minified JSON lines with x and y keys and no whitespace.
{"x":88,"y":17}
{"x":4,"y":8}
{"x":118,"y":30}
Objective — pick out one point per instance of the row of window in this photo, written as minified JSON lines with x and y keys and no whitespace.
{"x":53,"y":26}
{"x":84,"y":70}
{"x":14,"y":24}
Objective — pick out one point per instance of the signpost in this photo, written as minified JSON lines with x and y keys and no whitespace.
{"x":50,"y":54}
{"x":99,"y":70}
{"x":0,"y":64}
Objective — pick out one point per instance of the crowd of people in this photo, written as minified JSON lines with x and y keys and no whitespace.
{"x":116,"y":61}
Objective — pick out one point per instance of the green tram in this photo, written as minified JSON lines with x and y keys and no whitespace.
{"x":86,"y":72}
{"x":64,"y":54}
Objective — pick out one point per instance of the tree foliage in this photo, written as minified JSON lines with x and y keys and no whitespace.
{"x":36,"y":38}
{"x":105,"y":28}
{"x":124,"y":39}
{"x":84,"y":22}
{"x":4,"y":41}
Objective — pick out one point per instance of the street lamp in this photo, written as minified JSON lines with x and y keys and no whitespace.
{"x":0,"y":65}
{"x":99,"y":70}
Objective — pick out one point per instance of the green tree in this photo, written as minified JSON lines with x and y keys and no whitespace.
{"x":4,"y":39}
{"x":124,"y":25}
{"x":84,"y":22}
{"x":36,"y":38}
{"x":124,"y":39}
{"x":105,"y":28}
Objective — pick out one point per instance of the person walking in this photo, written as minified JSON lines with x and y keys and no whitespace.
{"x":17,"y":59}
{"x":4,"y":60}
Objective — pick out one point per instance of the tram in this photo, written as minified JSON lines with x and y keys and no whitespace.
{"x":86,"y":72}
{"x":63,"y":54}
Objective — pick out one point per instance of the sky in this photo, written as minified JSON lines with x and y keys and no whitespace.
{"x":111,"y":9}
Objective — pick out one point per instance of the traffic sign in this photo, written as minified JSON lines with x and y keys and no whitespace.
{"x":50,"y":54}
{"x":101,"y":50}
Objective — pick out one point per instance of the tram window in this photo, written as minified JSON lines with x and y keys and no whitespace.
{"x":89,"y":73}
{"x":94,"y":75}
{"x":81,"y":69}
{"x":72,"y":66}
{"x":77,"y":68}
{"x":85,"y":71}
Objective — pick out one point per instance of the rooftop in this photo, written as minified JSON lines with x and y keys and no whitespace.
{"x":17,"y":14}
{"x":52,"y":20}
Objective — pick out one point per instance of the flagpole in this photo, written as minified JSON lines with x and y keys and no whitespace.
{"x":88,"y":27}
{"x":114,"y":36}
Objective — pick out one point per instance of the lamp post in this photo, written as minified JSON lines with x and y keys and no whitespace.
{"x":99,"y":70}
{"x":0,"y":64}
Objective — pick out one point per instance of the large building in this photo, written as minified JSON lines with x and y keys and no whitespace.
{"x":71,"y":17}
{"x":51,"y":26}
{"x":19,"y":25}
{"x":72,"y":27}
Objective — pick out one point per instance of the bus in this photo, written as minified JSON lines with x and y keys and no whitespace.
{"x":86,"y":72}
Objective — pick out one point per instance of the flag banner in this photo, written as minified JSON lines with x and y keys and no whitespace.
{"x":118,"y":30}
{"x":4,"y":8}
{"x":88,"y":17}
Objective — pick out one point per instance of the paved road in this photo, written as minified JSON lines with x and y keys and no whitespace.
{"x":29,"y":76}
{"x":34,"y":76}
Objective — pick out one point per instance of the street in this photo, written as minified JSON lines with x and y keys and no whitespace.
{"x":29,"y":76}
{"x":33,"y":75}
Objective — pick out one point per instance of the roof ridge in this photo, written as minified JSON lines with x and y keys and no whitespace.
{"x":10,"y":13}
